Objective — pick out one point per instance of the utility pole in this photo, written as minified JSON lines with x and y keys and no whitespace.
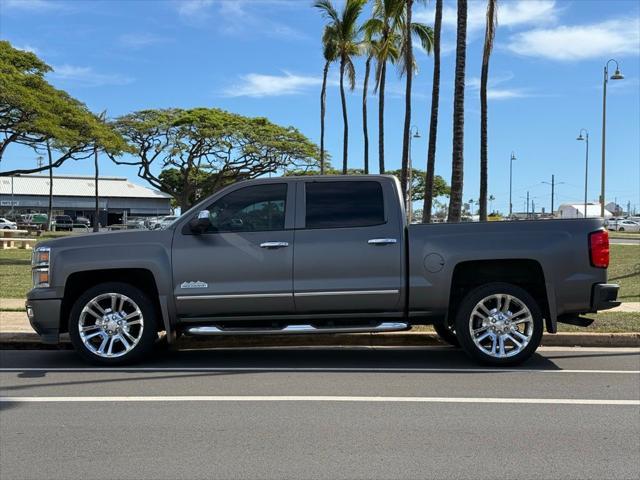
{"x":527,"y":203}
{"x":513,"y":157}
{"x":50,"y":210}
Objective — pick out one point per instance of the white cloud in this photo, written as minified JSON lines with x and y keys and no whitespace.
{"x":510,"y":14}
{"x":27,"y":48}
{"x":494,"y":92}
{"x":579,"y":42}
{"x":30,"y":5}
{"x":260,"y":85}
{"x":139,"y":40}
{"x":87,"y":77}
{"x":193,"y":8}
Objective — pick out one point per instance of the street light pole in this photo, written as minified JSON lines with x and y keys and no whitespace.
{"x":416,"y":134}
{"x":513,"y":157}
{"x":616,"y":76}
{"x":586,"y":165}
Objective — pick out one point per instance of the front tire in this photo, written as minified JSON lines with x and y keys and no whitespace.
{"x":113,"y":323}
{"x":499,"y":324}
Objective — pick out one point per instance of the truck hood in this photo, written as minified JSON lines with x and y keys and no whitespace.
{"x":110,"y":238}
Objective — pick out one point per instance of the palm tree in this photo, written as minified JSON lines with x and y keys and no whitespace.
{"x":433,"y":122}
{"x":457,"y":161}
{"x":368,"y":48}
{"x":329,"y":53}
{"x":343,"y":30}
{"x":489,"y":35}
{"x":384,"y":27}
{"x":425,"y":34}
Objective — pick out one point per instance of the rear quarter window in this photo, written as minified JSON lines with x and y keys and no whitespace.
{"x":343,"y":204}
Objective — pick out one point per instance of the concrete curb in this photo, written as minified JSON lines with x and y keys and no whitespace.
{"x":25,"y":341}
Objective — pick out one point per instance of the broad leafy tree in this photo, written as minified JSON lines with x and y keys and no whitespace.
{"x":34,"y":114}
{"x":205,"y":147}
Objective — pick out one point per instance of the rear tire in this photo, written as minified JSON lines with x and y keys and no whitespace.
{"x":113,"y":323}
{"x":499,"y":324}
{"x":447,"y":334}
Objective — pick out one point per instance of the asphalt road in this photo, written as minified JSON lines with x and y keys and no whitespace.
{"x":321,"y":413}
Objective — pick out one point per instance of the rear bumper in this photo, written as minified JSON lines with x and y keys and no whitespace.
{"x":604,"y":296}
{"x":44,"y":317}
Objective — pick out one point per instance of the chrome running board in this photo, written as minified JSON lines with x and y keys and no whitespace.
{"x":291,"y":329}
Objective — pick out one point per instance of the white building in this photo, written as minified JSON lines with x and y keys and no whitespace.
{"x":576,"y":210}
{"x":74,"y":195}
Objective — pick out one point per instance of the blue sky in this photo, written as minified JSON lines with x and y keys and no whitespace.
{"x":263,"y":58}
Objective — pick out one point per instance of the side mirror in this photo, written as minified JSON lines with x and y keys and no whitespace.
{"x":201,"y":223}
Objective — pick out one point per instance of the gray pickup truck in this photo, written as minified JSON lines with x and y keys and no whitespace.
{"x":319,"y":255}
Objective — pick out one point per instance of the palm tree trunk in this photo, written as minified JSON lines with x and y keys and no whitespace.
{"x":323,"y":107}
{"x":365,"y":130}
{"x":345,"y":139}
{"x":457,"y":162}
{"x":96,"y":213}
{"x":407,"y":105}
{"x":433,"y":123}
{"x":50,"y":209}
{"x":383,"y":74}
{"x":484,"y":77}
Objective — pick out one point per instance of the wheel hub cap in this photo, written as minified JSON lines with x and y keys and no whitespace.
{"x":501,"y":325}
{"x":110,"y":325}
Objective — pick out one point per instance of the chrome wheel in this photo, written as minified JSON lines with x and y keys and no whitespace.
{"x":501,"y":325}
{"x":110,"y":325}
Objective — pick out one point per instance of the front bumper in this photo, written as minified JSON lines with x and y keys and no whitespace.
{"x":44,"y":317}
{"x":604,"y":296}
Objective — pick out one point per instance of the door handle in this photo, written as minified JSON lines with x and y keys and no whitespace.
{"x":274,"y":244}
{"x":382,"y":241}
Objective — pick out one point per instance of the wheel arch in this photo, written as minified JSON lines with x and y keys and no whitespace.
{"x":79,"y":282}
{"x":525,"y":273}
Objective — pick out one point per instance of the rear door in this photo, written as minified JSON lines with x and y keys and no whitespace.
{"x":348,"y":247}
{"x":244,"y":263}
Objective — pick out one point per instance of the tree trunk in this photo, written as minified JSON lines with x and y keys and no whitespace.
{"x":484,"y":77}
{"x":345,"y":139}
{"x":96,"y":213}
{"x":433,"y":123}
{"x":457,"y":162}
{"x":50,"y":209}
{"x":323,"y":107}
{"x":404,"y":173}
{"x":383,"y":74}
{"x":365,"y":130}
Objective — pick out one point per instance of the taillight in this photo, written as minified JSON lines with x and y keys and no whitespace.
{"x":599,"y":248}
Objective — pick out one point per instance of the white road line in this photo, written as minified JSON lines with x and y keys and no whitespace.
{"x":322,"y":398}
{"x":311,"y":369}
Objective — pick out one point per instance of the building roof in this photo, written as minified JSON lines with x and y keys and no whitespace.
{"x":76,"y":186}
{"x":593,"y":209}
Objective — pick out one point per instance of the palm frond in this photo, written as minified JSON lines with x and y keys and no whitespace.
{"x":327,"y":9}
{"x":424,"y":34}
{"x":351,"y":73}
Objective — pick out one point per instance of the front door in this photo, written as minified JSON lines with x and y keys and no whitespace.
{"x":243,"y":264}
{"x":348,"y":255}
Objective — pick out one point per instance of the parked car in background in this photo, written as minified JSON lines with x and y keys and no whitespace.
{"x":319,"y":254}
{"x":63,"y":222}
{"x":7,"y":224}
{"x":82,"y":221}
{"x":623,"y":226}
{"x":166,"y":221}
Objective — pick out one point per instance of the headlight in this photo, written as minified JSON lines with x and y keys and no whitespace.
{"x":40,"y":265}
